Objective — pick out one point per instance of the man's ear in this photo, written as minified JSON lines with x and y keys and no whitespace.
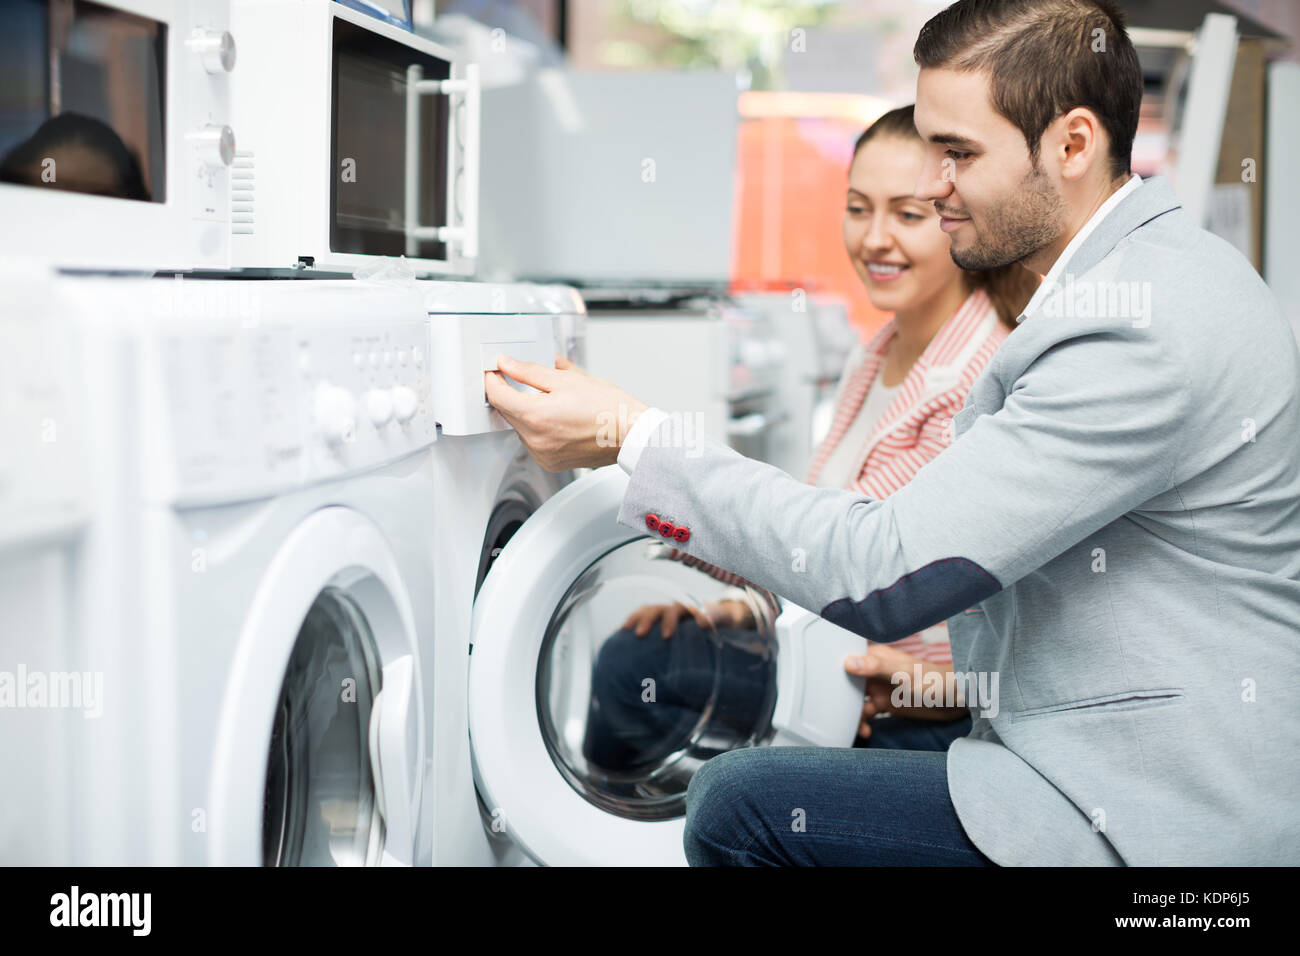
{"x":1080,"y":142}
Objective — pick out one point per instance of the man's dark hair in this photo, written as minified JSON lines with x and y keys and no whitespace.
{"x":1045,"y":58}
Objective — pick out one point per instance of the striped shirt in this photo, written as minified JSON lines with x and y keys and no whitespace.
{"x":917,"y":425}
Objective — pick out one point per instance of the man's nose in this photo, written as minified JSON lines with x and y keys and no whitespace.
{"x":932,"y":183}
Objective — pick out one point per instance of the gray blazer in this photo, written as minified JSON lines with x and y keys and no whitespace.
{"x":1114,"y":533}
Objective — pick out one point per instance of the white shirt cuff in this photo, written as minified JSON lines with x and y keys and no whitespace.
{"x":638,"y":436}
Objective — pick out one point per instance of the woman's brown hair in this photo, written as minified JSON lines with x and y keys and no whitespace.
{"x":1008,"y":287}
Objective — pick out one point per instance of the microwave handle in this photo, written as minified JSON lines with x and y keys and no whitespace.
{"x":467,"y":232}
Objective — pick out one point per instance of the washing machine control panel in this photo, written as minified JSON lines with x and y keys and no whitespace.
{"x":253,"y":388}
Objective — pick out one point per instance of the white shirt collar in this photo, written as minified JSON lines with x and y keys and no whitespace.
{"x":1052,"y":279}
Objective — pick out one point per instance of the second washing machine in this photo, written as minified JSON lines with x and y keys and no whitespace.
{"x":261,"y":598}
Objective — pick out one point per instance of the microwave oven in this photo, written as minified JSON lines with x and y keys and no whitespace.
{"x":115,"y":133}
{"x":357,"y":139}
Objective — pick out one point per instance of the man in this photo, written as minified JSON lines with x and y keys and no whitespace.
{"x":1114,"y":532}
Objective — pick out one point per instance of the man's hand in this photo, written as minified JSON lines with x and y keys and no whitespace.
{"x":574,"y":421}
{"x":731,"y":614}
{"x":879,"y":666}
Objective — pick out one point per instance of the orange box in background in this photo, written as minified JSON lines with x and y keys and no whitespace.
{"x":792,"y":168}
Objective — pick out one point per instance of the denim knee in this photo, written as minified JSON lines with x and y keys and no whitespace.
{"x":713,"y":827}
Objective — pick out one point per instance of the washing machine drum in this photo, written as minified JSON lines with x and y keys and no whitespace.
{"x":320,"y":804}
{"x":587,"y":729}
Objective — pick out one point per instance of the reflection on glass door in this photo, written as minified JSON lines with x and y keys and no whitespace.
{"x":651,"y":665}
{"x":320,"y":806}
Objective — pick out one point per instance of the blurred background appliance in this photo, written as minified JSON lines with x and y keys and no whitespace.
{"x":815,"y":339}
{"x":599,"y":179}
{"x":624,"y":185}
{"x":717,"y":363}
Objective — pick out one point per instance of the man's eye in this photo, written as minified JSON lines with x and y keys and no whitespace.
{"x":956,"y":154}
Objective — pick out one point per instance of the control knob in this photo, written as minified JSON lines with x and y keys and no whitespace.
{"x":405,"y":402}
{"x":335,"y":413}
{"x":379,"y":406}
{"x":216,"y":50}
{"x":215,"y":145}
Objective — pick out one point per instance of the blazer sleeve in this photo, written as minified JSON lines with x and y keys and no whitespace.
{"x":1090,"y":427}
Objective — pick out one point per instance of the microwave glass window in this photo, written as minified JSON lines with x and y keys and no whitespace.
{"x":369,"y":183}
{"x":82,"y":99}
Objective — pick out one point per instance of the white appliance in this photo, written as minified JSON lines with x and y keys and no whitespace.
{"x":358,"y":139}
{"x":816,"y":339}
{"x":46,"y":697}
{"x":261,"y":590}
{"x":1282,"y":195}
{"x":551,"y":656}
{"x":555,"y":574}
{"x":487,"y":487}
{"x":717,"y":363}
{"x":115,"y":133}
{"x":1203,"y":106}
{"x":611,"y":177}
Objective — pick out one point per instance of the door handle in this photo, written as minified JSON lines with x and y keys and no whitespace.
{"x":466,"y":233}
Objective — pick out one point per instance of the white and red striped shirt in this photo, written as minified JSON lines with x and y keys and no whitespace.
{"x":917,"y":425}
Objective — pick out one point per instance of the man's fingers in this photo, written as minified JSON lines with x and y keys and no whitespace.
{"x":529,"y":373}
{"x":643,"y":618}
{"x":564,"y":365}
{"x":503,"y":398}
{"x":864,"y":665}
{"x":668,"y":623}
{"x":879,"y":661}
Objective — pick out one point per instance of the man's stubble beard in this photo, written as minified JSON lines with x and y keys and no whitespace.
{"x":1030,"y":219}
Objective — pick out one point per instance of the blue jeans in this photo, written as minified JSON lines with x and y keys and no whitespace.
{"x":904,"y":733}
{"x":812,"y":806}
{"x":695,"y":675}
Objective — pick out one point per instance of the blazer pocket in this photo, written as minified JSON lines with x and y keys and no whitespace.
{"x":1111,"y":703}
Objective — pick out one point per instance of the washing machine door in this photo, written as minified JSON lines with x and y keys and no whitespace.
{"x":586,"y":735}
{"x":320,"y":747}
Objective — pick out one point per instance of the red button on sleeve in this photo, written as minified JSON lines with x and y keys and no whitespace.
{"x":682,"y":534}
{"x":666,"y":529}
{"x":652,"y":521}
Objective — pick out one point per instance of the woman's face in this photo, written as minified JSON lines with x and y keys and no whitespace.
{"x":893,"y":240}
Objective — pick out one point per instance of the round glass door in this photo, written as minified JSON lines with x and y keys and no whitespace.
{"x":650,"y":665}
{"x":320,"y":806}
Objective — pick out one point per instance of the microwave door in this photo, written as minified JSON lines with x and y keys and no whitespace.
{"x":463,"y":141}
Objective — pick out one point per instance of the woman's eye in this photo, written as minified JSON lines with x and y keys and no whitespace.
{"x":856,"y":210}
{"x":911,"y":216}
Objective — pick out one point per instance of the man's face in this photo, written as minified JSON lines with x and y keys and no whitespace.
{"x":996,"y":203}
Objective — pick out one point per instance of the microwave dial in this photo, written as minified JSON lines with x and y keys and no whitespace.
{"x":215,"y":145}
{"x":216,"y":49}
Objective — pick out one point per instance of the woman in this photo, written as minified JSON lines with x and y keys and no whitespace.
{"x":899,"y":392}
{"x":894,"y":401}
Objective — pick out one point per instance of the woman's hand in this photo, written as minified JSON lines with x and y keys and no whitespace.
{"x":887,"y":668}
{"x":573,"y":421}
{"x":721,"y":614}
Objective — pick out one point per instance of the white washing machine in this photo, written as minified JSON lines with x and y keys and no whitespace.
{"x":539,"y":710}
{"x":262,"y":577}
{"x":487,"y":486}
{"x":46,"y":699}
